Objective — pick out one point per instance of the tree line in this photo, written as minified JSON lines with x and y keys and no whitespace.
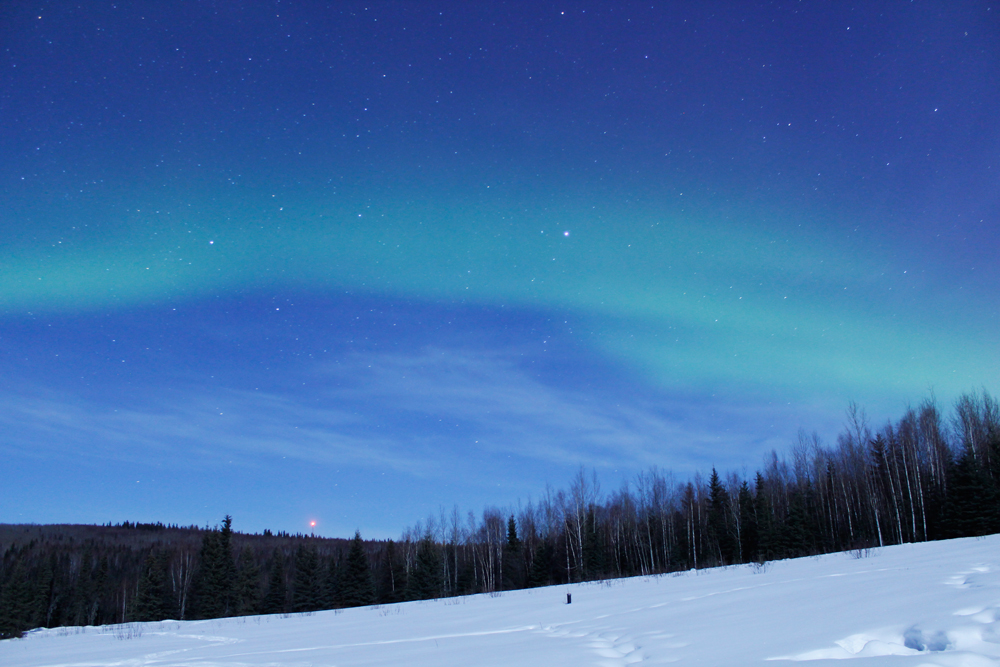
{"x":921,"y":477}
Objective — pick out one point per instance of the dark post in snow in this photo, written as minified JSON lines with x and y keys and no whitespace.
{"x":569,"y":598}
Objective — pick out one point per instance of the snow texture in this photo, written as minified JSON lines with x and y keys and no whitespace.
{"x":923,"y":604}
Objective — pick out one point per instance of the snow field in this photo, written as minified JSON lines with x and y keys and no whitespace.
{"x":925,"y":604}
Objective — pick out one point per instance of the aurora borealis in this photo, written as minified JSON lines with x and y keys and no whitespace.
{"x":356,"y":262}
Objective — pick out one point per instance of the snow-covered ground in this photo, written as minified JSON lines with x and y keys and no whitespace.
{"x":924,"y":604}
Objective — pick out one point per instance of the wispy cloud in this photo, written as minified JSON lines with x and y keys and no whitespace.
{"x":428,"y":413}
{"x":225,"y":426}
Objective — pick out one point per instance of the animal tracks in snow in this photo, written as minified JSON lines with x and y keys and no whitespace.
{"x":969,"y":639}
{"x":967,"y":579}
{"x":613,"y":649}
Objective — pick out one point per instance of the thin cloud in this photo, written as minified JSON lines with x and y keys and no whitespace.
{"x":424,"y":414}
{"x":510,"y":411}
{"x":229,"y":425}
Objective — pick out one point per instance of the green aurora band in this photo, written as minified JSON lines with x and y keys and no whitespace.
{"x":688,"y":300}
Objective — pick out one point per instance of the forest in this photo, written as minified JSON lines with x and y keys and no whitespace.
{"x":925,"y":476}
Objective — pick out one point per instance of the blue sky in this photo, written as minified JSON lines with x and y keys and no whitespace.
{"x":355,"y":262}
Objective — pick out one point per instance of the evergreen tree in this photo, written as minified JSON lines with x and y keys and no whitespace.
{"x":970,"y":507}
{"x":88,"y":589}
{"x":936,"y":502}
{"x":46,"y":593}
{"x":308,"y":593}
{"x":748,"y":525}
{"x":796,"y":535}
{"x":425,"y":582}
{"x":275,"y":602}
{"x":513,"y":561}
{"x":152,"y":602}
{"x":358,"y":587}
{"x":392,"y":586}
{"x":216,"y":579}
{"x":17,"y":602}
{"x":540,"y":573}
{"x":768,"y":546}
{"x":465,"y":582}
{"x":719,"y":521}
{"x":332,"y":580}
{"x":100,"y":585}
{"x":247,"y":592}
{"x":593,"y":547}
{"x":82,"y":590}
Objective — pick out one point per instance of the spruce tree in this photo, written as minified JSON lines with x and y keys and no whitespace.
{"x":970,"y":507}
{"x":82,"y":590}
{"x":425,"y":582}
{"x":719,"y":521}
{"x":216,"y":579}
{"x":796,"y":535}
{"x":151,"y":601}
{"x":100,"y":590}
{"x":332,"y":580}
{"x":46,"y":592}
{"x":358,"y":586}
{"x":540,"y":573}
{"x":513,"y":559}
{"x":308,"y":592}
{"x":227,"y":565}
{"x":247,"y":593}
{"x":465,"y":582}
{"x":275,"y":602}
{"x":748,"y":525}
{"x":17,"y":602}
{"x":768,"y":539}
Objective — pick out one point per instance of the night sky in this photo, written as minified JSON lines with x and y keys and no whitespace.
{"x":358,"y":262}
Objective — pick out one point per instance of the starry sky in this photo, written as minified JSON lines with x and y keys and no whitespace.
{"x":357,"y":263}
